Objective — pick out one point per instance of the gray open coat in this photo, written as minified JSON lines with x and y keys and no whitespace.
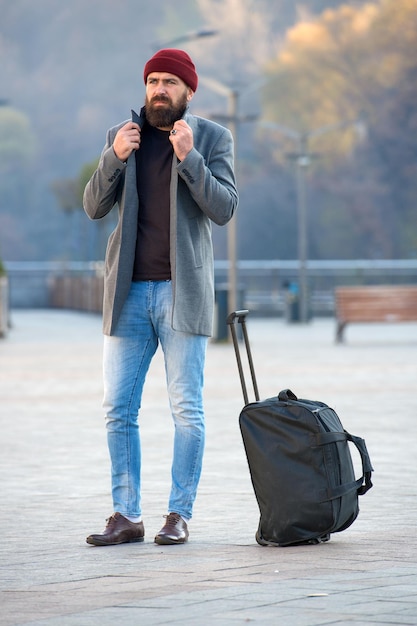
{"x":202,"y":189}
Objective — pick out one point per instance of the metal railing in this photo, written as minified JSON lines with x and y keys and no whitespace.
{"x":265,"y":284}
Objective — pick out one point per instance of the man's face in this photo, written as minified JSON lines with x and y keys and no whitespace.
{"x":167,"y":97}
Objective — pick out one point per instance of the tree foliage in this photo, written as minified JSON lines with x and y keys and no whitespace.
{"x":346,"y":64}
{"x":342,"y":64}
{"x":71,"y":72}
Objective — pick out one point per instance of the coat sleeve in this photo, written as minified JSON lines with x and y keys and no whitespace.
{"x":208,"y":171}
{"x":104,"y":188}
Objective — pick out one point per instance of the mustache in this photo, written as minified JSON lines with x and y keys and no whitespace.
{"x":160,"y":99}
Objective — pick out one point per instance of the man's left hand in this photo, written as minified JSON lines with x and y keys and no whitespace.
{"x":181,"y":137}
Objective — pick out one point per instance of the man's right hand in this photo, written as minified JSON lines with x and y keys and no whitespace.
{"x":127,"y":139}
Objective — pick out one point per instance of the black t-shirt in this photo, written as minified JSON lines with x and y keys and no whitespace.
{"x":153,"y":175}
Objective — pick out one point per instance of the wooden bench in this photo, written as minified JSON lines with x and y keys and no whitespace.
{"x":376,"y":303}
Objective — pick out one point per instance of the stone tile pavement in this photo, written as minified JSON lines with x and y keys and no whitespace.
{"x":55,"y":487}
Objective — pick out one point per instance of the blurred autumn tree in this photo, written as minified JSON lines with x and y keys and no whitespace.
{"x":352,"y":63}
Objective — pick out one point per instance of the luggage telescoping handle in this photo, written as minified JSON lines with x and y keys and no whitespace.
{"x":240,"y":316}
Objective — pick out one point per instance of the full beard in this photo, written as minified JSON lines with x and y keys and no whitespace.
{"x":166,"y":116}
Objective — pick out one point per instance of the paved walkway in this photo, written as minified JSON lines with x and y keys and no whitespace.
{"x":55,"y":491}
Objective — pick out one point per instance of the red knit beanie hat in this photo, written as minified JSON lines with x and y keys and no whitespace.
{"x":175,"y":62}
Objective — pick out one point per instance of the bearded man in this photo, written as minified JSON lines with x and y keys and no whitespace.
{"x":169,"y":174}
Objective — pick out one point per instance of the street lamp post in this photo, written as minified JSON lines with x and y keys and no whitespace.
{"x":232,"y":302}
{"x":233,"y":119}
{"x":232,"y":96}
{"x":303,"y":159}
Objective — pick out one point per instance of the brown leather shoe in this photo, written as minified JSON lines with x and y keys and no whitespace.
{"x":174,"y":531}
{"x":118,"y":530}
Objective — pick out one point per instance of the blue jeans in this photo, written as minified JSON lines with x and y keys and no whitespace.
{"x":144,"y":323}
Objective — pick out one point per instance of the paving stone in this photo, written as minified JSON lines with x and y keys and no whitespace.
{"x":55,"y":485}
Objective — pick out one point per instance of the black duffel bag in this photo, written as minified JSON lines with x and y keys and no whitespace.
{"x":301,"y":469}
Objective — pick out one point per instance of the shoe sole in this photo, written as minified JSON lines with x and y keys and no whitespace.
{"x":97,"y":542}
{"x":166,"y":541}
